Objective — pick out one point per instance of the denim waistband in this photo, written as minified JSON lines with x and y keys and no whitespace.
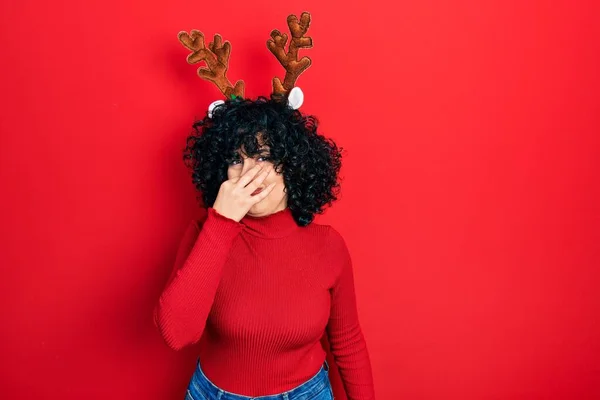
{"x":306,"y":390}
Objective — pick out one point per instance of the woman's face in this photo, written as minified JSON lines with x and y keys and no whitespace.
{"x":277,"y":199}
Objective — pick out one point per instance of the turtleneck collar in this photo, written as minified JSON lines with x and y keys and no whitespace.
{"x":272,"y":226}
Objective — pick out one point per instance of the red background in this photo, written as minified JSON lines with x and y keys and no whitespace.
{"x":470,"y":201}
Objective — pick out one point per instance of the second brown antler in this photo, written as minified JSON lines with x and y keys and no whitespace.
{"x":289,"y":60}
{"x":216,"y":58}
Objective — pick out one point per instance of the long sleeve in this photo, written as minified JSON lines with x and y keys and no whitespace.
{"x":185,"y":303}
{"x":345,"y":335}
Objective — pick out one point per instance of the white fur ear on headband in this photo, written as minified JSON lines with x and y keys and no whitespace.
{"x":212,"y":106}
{"x":295,"y":98}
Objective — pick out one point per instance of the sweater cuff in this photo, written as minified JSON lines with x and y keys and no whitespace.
{"x":221,"y":224}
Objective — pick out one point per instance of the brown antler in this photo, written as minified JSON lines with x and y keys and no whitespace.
{"x":216,"y":58}
{"x":289,"y":60}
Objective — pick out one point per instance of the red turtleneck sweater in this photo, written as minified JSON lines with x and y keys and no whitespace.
{"x":259,"y":294}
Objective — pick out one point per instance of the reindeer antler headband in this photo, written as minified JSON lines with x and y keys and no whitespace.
{"x":216,"y":58}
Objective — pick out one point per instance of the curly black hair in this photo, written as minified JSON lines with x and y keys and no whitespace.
{"x":310,"y":163}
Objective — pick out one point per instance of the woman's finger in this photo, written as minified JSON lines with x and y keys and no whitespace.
{"x":248,"y":175}
{"x":258,"y":180}
{"x":264,"y":193}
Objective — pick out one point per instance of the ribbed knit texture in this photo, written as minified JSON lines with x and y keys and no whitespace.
{"x":260,"y":294}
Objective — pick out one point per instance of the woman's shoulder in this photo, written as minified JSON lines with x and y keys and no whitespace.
{"x":329,"y":235}
{"x":198,"y":220}
{"x":332,"y":248}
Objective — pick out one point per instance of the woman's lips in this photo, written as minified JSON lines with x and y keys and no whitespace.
{"x":257,"y":191}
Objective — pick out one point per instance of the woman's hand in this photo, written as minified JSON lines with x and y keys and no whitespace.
{"x":235,"y":199}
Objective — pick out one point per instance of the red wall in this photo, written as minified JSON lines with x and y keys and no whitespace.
{"x":470,"y":202}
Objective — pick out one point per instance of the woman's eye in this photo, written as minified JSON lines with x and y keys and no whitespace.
{"x":234,"y":162}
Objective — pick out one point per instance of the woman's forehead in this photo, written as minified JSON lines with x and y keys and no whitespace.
{"x":261,"y":148}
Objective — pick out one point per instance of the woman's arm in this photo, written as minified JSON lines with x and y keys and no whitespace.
{"x":346,"y":339}
{"x":185,"y":303}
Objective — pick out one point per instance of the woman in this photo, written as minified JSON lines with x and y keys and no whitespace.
{"x":255,"y":280}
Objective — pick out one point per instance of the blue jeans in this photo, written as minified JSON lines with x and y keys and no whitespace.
{"x":316,"y":388}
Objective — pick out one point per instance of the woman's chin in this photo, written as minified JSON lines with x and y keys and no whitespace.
{"x":262,"y":209}
{"x":259,"y":210}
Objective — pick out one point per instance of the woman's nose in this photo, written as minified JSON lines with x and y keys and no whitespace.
{"x":249,"y":162}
